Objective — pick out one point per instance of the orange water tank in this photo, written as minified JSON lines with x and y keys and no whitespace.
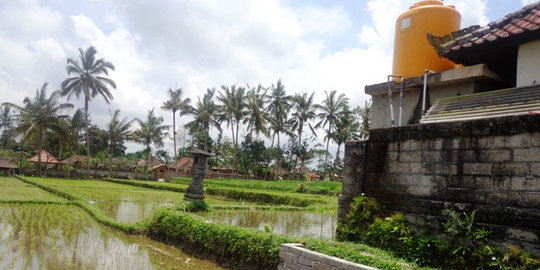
{"x":412,"y":52}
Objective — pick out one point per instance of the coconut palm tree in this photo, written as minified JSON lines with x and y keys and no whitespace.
{"x":74,"y":126}
{"x":365,"y":112}
{"x":347,"y":128}
{"x":258,"y":117}
{"x":232,"y":108}
{"x":205,"y":116}
{"x":303,"y":111}
{"x":88,"y":80}
{"x":278,"y":107}
{"x":119,"y":130}
{"x":151,"y":131}
{"x":173,"y":104}
{"x":330,"y":112}
{"x":39,"y":115}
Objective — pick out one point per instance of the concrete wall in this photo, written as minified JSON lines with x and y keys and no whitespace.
{"x":296,"y":257}
{"x":528,"y":64}
{"x":491,"y":165}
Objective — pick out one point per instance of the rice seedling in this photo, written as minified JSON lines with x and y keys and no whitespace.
{"x":13,"y":189}
{"x":64,"y":237}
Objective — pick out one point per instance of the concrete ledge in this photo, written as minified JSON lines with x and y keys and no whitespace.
{"x":295,"y":256}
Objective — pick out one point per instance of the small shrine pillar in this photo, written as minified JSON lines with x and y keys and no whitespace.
{"x":195,"y":190}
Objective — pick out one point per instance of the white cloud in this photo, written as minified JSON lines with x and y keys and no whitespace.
{"x":201,"y":44}
{"x":528,"y":2}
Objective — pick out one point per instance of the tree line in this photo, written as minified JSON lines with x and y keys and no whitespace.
{"x":254,"y":116}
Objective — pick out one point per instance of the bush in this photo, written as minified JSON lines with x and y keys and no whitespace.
{"x":195,"y":206}
{"x":226,"y":244}
{"x":464,"y":245}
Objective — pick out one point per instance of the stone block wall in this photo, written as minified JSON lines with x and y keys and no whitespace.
{"x":296,"y":257}
{"x":489,"y":165}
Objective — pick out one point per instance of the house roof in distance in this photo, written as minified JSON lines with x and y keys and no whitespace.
{"x":74,"y":159}
{"x":7,"y":163}
{"x":182,"y":163}
{"x":46,"y":157}
{"x":512,"y":30}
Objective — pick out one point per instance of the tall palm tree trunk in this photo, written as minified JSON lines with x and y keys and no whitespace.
{"x":87,"y":136}
{"x":110,"y":158}
{"x":327,"y":145}
{"x":39,"y":151}
{"x":174,"y":132}
{"x":69,"y":161}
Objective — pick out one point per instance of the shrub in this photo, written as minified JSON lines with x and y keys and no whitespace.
{"x":195,"y":206}
{"x":464,"y":245}
{"x":226,"y":244}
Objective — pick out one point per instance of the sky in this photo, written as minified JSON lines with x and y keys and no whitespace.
{"x":312,"y":46}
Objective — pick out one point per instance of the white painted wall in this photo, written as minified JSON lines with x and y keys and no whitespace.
{"x":528,"y":64}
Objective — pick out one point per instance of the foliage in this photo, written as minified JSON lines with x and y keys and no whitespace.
{"x":151,"y":131}
{"x":228,"y":244}
{"x":464,"y":245}
{"x":173,"y":104}
{"x":194,"y":206}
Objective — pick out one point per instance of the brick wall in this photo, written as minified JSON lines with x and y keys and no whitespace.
{"x":491,"y":165}
{"x":296,"y":257}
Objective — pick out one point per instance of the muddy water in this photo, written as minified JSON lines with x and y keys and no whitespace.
{"x":64,"y":237}
{"x":280,"y":222}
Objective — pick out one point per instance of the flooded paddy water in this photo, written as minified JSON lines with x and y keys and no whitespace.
{"x":292,"y":223}
{"x":58,"y":236}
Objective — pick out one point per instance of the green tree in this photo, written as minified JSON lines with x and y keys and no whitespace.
{"x":40,"y":114}
{"x":365,"y":113}
{"x":205,"y":116}
{"x":88,"y":80}
{"x":278,"y":107}
{"x":347,"y":128}
{"x":74,"y":126}
{"x":303,"y":111}
{"x":232,"y":108}
{"x":257,"y":116}
{"x":119,"y":130}
{"x":173,"y":104}
{"x":6,"y":122}
{"x":151,"y":131}
{"x":329,"y":114}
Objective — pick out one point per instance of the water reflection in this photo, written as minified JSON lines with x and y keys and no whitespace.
{"x":288,"y":223}
{"x":64,"y":237}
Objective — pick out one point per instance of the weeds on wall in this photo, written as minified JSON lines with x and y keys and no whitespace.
{"x":464,"y":245}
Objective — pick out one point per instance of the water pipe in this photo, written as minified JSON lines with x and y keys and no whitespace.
{"x":426,"y":73}
{"x":390,"y":98}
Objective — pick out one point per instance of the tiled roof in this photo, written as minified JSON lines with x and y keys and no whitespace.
{"x":74,"y":159}
{"x":183,"y":163}
{"x":151,"y":162}
{"x":7,"y":163}
{"x":499,"y":103}
{"x":515,"y":28}
{"x":46,"y":157}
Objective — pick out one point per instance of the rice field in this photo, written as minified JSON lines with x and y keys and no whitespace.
{"x":12,"y":189}
{"x":56,"y":236}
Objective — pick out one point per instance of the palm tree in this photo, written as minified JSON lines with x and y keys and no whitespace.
{"x":119,"y":130}
{"x":232,"y":108}
{"x":347,"y":127}
{"x":89,"y":81}
{"x":40,"y":114}
{"x":258,"y":117}
{"x":204,"y":114}
{"x":74,"y":127}
{"x":278,"y":108}
{"x":365,"y":114}
{"x":303,"y":112}
{"x":151,"y":131}
{"x":330,"y":112}
{"x":6,"y":122}
{"x":173,"y":104}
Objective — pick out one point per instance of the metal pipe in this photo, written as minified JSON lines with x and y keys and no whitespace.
{"x":401,"y":100}
{"x":390,"y":98}
{"x":426,"y":72}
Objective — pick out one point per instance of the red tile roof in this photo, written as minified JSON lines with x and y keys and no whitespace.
{"x":151,"y":162}
{"x":7,"y":163}
{"x":46,"y":157}
{"x":183,"y":163}
{"x":513,"y":29}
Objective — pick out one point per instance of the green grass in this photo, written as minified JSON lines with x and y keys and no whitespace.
{"x":310,"y":187}
{"x":227,"y":195}
{"x":13,"y":189}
